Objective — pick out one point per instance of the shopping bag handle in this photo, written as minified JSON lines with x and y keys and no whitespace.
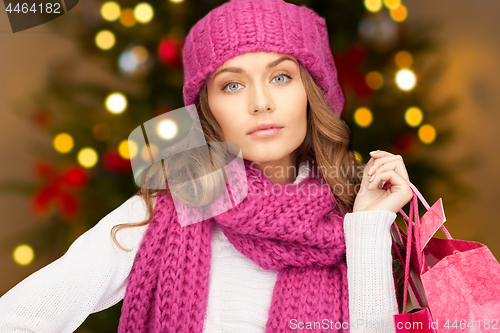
{"x":432,"y":220}
{"x":415,"y":224}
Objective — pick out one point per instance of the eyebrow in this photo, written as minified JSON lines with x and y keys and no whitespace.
{"x":241,"y":70}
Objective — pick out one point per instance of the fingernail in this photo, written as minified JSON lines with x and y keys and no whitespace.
{"x":372,"y":177}
{"x":374,"y":152}
{"x":370,"y":171}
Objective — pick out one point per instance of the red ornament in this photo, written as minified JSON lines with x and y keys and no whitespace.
{"x":74,"y":176}
{"x":170,"y":51}
{"x":56,"y":193}
{"x":350,"y":73}
{"x":112,"y":161}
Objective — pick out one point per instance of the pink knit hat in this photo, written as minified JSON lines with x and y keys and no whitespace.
{"x":241,"y":26}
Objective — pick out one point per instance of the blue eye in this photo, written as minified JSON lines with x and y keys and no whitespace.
{"x":234,"y":83}
{"x":283,"y":75}
{"x":231,"y":84}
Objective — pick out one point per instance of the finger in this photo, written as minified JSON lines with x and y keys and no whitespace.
{"x":398,"y":183}
{"x":378,"y":162}
{"x":400,"y":192}
{"x":396,"y":165}
{"x":385,"y":160}
{"x":380,"y":153}
{"x":365,"y":180}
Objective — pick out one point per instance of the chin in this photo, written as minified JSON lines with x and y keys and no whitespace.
{"x":267,"y":155}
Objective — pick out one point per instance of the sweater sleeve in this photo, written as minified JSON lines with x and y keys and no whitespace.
{"x":372,"y":295}
{"x":91,"y":276}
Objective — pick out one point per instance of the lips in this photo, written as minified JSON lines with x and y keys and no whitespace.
{"x":263,"y":126}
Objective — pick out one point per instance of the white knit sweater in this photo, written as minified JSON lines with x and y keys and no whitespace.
{"x":93,"y":274}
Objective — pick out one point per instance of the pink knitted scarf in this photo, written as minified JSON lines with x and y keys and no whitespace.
{"x":296,"y":228}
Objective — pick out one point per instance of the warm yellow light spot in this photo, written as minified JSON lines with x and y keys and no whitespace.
{"x":63,"y":143}
{"x":392,"y":3}
{"x":363,"y":117}
{"x":414,"y":116}
{"x":110,"y":11}
{"x":23,"y":254}
{"x":167,"y":129}
{"x":127,"y":18}
{"x":427,"y":133}
{"x":128,"y":149}
{"x":399,"y":13}
{"x":143,"y":12}
{"x":403,"y":59}
{"x":87,"y":157}
{"x":105,"y":39}
{"x":374,"y":80}
{"x":140,"y":53}
{"x":358,"y":156}
{"x":116,"y":103}
{"x":373,"y":5}
{"x":176,"y":1}
{"x":149,"y":153}
{"x":406,"y":79}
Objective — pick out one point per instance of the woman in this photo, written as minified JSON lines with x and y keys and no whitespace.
{"x":278,"y":261}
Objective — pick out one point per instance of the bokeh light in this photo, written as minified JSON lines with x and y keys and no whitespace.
{"x":105,"y":39}
{"x":167,"y":129}
{"x":127,"y":61}
{"x":403,"y":59}
{"x":128,"y":149}
{"x":127,"y":18}
{"x":427,"y":133}
{"x":414,"y":116}
{"x":406,"y":79}
{"x":143,"y":12}
{"x":63,"y":143}
{"x":116,"y":103}
{"x":23,"y":255}
{"x":148,"y":153}
{"x":392,"y":3}
{"x":140,"y":53}
{"x":87,"y":157}
{"x":374,"y":80}
{"x":373,"y":5}
{"x":110,"y":11}
{"x":399,"y":13}
{"x":363,"y":117}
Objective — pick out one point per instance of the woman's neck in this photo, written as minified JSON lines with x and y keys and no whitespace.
{"x":281,"y":171}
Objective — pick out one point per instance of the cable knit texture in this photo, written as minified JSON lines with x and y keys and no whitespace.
{"x":298,"y":231}
{"x":241,"y":26}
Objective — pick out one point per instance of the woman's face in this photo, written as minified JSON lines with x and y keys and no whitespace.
{"x":260,"y":87}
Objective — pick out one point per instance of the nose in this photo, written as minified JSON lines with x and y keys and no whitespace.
{"x":261,"y":99}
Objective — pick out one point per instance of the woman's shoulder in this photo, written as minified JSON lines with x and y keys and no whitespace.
{"x":132,"y":211}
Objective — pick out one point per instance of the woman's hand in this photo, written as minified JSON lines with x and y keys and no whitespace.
{"x":386,"y":167}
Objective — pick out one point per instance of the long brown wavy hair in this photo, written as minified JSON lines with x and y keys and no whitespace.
{"x":327,"y":146}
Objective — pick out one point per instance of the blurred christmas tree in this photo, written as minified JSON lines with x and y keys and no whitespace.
{"x":383,"y":64}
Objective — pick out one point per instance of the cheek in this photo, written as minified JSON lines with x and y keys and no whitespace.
{"x":297,"y":104}
{"x":216,"y":106}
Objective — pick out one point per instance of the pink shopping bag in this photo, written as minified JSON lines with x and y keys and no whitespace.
{"x":454,"y":284}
